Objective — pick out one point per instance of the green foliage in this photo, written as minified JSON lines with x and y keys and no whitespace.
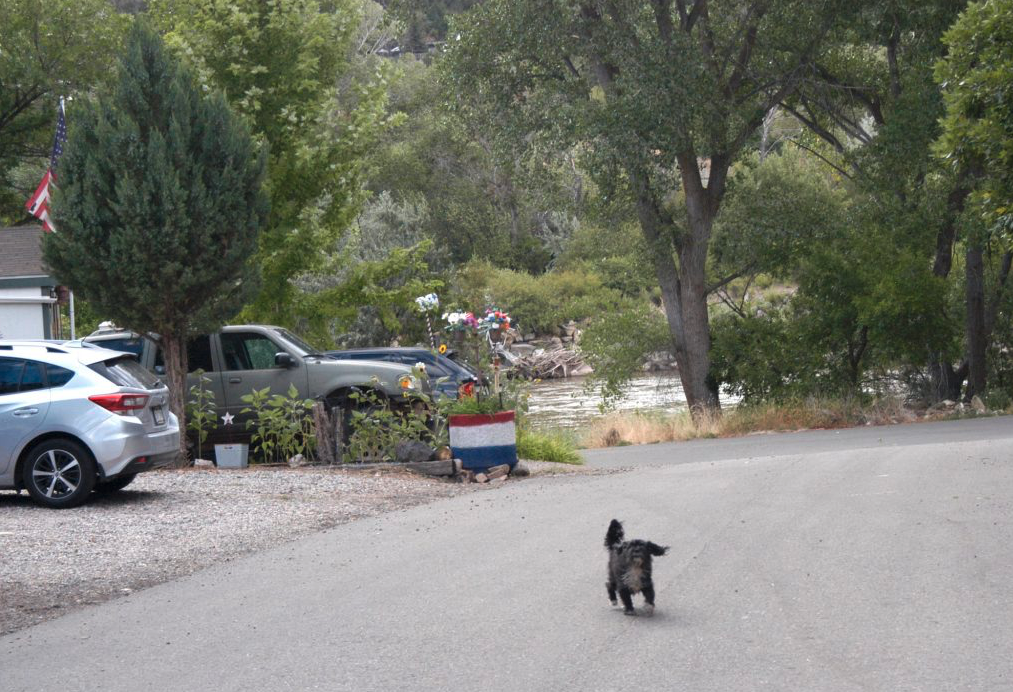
{"x":536,"y":304}
{"x":977,"y":82}
{"x":47,"y":50}
{"x":160,"y":199}
{"x":159,"y":206}
{"x":775,"y":210}
{"x":376,"y":428}
{"x":200,"y":410}
{"x":282,"y":425}
{"x":538,"y":445}
{"x":286,"y":66}
{"x":617,"y":343}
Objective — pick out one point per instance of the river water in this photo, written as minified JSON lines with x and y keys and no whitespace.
{"x":563,"y":403}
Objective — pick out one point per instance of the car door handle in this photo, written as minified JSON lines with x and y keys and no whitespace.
{"x":235,"y":380}
{"x":25,"y":412}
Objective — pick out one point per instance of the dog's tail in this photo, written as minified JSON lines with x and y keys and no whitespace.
{"x":615,"y":534}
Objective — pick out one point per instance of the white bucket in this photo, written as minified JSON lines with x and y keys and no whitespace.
{"x":232,"y":456}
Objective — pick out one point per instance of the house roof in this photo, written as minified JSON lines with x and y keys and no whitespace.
{"x":21,"y":252}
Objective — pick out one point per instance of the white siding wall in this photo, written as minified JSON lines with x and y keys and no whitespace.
{"x":21,"y":321}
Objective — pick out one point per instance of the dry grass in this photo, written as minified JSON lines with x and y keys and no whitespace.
{"x":647,"y":428}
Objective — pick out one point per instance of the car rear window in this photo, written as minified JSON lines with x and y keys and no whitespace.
{"x":127,"y":372}
{"x":31,"y":379}
{"x":58,"y":376}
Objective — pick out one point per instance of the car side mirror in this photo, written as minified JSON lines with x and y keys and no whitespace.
{"x":283,"y":360}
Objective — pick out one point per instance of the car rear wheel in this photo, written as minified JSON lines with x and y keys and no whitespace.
{"x":118,"y":483}
{"x":59,"y":473}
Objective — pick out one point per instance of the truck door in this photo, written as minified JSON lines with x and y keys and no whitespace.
{"x":248,"y":364}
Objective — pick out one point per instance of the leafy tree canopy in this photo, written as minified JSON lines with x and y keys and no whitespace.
{"x":48,"y":49}
{"x":286,"y":66}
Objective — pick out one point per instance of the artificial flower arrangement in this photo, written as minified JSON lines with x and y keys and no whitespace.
{"x":460,"y":321}
{"x":494,"y":319}
{"x":428,"y":303}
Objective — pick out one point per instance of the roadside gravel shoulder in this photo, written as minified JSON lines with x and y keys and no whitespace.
{"x":168,"y":524}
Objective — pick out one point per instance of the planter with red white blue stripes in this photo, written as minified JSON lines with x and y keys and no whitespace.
{"x":483,"y":440}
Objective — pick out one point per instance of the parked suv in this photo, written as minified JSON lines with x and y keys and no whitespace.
{"x":448,"y":378}
{"x":241,"y":358}
{"x":76,"y":419}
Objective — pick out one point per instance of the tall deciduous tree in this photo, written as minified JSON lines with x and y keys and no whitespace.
{"x":285,"y":65}
{"x":159,"y":206}
{"x":664,"y":94}
{"x":48,"y":49}
{"x":977,"y":138}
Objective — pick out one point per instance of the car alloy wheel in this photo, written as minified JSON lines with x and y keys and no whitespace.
{"x":59,"y":473}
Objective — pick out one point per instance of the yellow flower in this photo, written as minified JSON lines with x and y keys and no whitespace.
{"x":442,"y":349}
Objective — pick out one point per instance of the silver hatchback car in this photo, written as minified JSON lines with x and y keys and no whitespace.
{"x":75,"y":418}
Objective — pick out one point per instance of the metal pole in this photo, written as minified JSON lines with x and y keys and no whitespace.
{"x":73,"y":329}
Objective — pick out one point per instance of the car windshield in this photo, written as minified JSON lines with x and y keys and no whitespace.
{"x":297,"y":342}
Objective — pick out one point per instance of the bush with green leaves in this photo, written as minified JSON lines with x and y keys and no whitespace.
{"x":536,"y":303}
{"x":200,"y":410}
{"x":617,"y":344}
{"x":282,"y":425}
{"x":376,"y":428}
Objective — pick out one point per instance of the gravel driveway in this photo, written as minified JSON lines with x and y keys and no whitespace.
{"x":167,"y":524}
{"x":170,"y":523}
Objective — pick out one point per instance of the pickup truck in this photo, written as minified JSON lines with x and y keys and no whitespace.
{"x":241,"y":358}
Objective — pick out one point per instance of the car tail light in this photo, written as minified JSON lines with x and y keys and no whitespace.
{"x":406,"y":382}
{"x":122,"y":404}
{"x":466,"y":389}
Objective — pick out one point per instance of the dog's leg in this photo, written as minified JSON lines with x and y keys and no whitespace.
{"x":649,"y":598}
{"x":627,"y":597}
{"x":611,"y":586}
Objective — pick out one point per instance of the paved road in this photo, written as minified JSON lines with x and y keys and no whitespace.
{"x":841,"y":562}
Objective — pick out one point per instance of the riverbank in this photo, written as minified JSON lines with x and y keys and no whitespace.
{"x":636,"y":428}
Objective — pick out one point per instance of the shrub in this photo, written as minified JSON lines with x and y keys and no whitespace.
{"x":546,"y":446}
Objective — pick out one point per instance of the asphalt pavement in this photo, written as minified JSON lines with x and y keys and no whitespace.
{"x":873,"y":559}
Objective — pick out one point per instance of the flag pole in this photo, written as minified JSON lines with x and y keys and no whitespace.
{"x":73,"y":331}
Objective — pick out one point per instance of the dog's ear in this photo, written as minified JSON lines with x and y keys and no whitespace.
{"x":655,"y":549}
{"x":614,"y":535}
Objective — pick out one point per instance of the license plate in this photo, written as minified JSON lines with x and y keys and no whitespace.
{"x":159,"y":415}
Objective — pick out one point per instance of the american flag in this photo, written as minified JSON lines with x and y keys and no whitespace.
{"x":38,"y":204}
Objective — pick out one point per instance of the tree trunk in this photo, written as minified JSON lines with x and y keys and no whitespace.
{"x":976,"y":336}
{"x":683,"y":288}
{"x":174,"y":351}
{"x":947,"y":381}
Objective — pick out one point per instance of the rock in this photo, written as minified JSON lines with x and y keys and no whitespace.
{"x":408,"y":451}
{"x":498,"y":471}
{"x":582,"y":371}
{"x":203,"y":463}
{"x":481,"y":478}
{"x":297,"y":461}
{"x":443,"y":453}
{"x":529,"y":337}
{"x":978,"y":405}
{"x":520,"y":470}
{"x":497,"y":480}
{"x":523,"y":349}
{"x":465,"y":476}
{"x":555,"y":342}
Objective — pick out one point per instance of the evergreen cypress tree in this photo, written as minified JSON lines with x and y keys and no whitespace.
{"x":159,"y":205}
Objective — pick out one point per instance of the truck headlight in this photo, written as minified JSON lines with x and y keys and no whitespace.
{"x":407,"y":382}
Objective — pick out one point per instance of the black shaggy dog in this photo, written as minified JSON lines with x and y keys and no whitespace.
{"x":630,"y":568}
